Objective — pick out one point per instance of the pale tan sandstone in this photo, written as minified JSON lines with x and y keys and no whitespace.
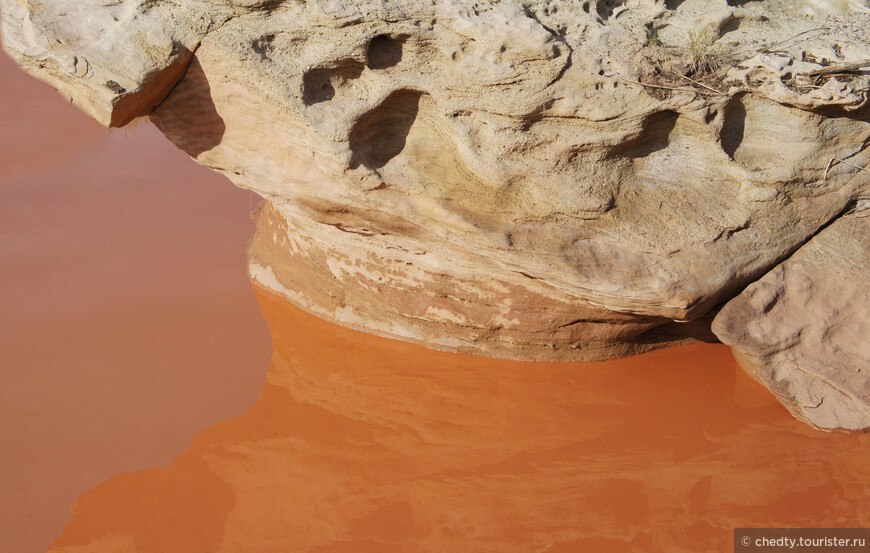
{"x":114,"y":59}
{"x":489,"y":176}
{"x":802,"y":330}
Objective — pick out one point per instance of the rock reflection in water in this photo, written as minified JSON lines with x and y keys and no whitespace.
{"x":363,"y":444}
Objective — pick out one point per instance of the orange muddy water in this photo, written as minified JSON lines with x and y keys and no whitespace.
{"x":127,"y":322}
{"x":128,"y":326}
{"x":365,"y":444}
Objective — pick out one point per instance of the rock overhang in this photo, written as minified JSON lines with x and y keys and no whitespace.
{"x":520,"y":179}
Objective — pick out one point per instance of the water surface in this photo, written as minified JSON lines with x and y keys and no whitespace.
{"x":127,"y":322}
{"x":365,"y":444}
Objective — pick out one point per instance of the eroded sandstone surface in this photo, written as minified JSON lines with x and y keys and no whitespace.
{"x":560,"y":180}
{"x":802,"y":329}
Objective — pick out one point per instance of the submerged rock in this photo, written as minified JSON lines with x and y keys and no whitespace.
{"x":537,"y":180}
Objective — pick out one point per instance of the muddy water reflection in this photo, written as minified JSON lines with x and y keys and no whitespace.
{"x":127,"y":322}
{"x":363,"y":444}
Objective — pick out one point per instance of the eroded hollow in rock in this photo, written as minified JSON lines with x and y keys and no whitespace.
{"x":733,"y":127}
{"x":385,"y":51}
{"x":606,"y":7}
{"x":264,"y":45}
{"x":655,"y":136}
{"x":761,"y":135}
{"x":381,"y":134}
{"x":319,"y":84}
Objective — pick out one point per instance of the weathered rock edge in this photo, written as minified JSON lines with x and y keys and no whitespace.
{"x":802,"y":329}
{"x":490,"y":177}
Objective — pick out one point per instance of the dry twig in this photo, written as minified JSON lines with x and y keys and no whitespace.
{"x":844,"y":162}
{"x":710,"y":88}
{"x":696,"y":91}
{"x":858,"y":167}
{"x":828,"y":168}
{"x":839,"y":68}
{"x":825,"y":89}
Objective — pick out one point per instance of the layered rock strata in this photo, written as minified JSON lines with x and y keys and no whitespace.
{"x":537,"y":180}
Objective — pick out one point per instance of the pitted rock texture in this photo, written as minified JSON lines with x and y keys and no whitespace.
{"x":545,"y":180}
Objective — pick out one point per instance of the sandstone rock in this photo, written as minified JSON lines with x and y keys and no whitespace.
{"x":116,"y":60}
{"x":802,"y":330}
{"x":525,"y":179}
